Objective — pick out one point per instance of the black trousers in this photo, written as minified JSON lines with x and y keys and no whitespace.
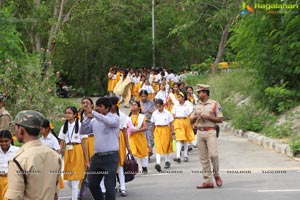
{"x":103,"y":166}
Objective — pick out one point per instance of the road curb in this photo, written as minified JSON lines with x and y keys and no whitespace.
{"x":260,"y":140}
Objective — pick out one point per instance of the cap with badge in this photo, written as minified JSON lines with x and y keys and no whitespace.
{"x":201,"y":87}
{"x":30,"y":119}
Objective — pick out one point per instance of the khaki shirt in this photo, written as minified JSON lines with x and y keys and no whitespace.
{"x":5,"y":119}
{"x":40,"y":165}
{"x":211,"y":108}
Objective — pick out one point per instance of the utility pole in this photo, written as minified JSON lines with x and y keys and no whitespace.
{"x":153,"y":35}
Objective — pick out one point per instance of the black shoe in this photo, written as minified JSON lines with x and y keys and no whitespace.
{"x":158,"y":167}
{"x":177,"y":160}
{"x":185,"y":159}
{"x":144,"y":170}
{"x":167,"y":165}
{"x":190,"y":148}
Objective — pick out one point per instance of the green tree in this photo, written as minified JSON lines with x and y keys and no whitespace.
{"x":269,"y":44}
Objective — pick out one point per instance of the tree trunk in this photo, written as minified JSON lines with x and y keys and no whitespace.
{"x":222,"y":42}
{"x":58,"y":11}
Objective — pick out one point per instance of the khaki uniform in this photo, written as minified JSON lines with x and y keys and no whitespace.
{"x":206,"y":138}
{"x":5,"y":119}
{"x":40,"y":165}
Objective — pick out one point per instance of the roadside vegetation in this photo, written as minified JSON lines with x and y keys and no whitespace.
{"x":243,"y":108}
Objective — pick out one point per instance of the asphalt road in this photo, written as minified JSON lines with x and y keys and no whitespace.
{"x":248,"y":172}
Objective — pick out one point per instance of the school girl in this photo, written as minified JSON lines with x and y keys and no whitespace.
{"x":147,"y":108}
{"x":50,"y":139}
{"x":163,"y":129}
{"x":123,"y":143}
{"x":182,"y":127}
{"x":75,"y":162}
{"x":190,"y":95}
{"x":172,"y":96}
{"x":137,"y":139}
{"x":111,"y":81}
{"x":7,"y":151}
{"x":138,"y":87}
{"x":162,"y":93}
{"x":146,"y":86}
{"x":89,"y":140}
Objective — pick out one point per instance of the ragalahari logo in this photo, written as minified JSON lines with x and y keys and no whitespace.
{"x":246,"y":9}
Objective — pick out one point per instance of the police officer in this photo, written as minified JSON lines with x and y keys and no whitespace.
{"x":5,"y":117}
{"x":205,"y":116}
{"x":34,"y":171}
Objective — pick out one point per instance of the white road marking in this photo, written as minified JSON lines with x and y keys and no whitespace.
{"x":290,"y":190}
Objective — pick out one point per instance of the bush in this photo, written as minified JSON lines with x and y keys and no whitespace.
{"x":295,"y":145}
{"x":250,"y":118}
{"x":281,"y":99}
{"x":278,"y":131}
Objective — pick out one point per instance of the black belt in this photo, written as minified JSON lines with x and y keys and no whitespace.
{"x":106,"y":153}
{"x":180,"y":117}
{"x":3,"y":175}
{"x":206,"y":128}
{"x":73,"y":143}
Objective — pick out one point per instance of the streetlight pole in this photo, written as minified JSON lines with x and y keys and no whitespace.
{"x":153,"y":35}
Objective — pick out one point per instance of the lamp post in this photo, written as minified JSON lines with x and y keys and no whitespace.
{"x":153,"y":35}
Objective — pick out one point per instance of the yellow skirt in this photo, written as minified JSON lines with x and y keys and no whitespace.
{"x":61,"y":183}
{"x":74,"y":164}
{"x":3,"y":187}
{"x":183,"y":130}
{"x":122,"y":149}
{"x":162,"y":140}
{"x":171,"y":83}
{"x":138,"y":144}
{"x":155,"y":87}
{"x":90,"y":147}
{"x":110,"y":85}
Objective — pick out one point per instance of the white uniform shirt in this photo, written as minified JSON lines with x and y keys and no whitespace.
{"x":161,"y":118}
{"x":176,"y":78}
{"x":4,"y":157}
{"x":50,"y":141}
{"x":150,"y":78}
{"x":162,"y":95}
{"x":171,"y":77}
{"x":182,"y":110}
{"x":148,"y":88}
{"x":123,"y":120}
{"x":71,"y":136}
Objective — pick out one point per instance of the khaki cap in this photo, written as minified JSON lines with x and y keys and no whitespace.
{"x":201,"y":87}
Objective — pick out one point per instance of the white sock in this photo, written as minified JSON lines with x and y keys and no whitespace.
{"x":158,"y":156}
{"x":121,"y":177}
{"x":144,"y":161}
{"x":185,"y":151}
{"x":167,"y":157}
{"x":75,"y":189}
{"x":178,"y":148}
